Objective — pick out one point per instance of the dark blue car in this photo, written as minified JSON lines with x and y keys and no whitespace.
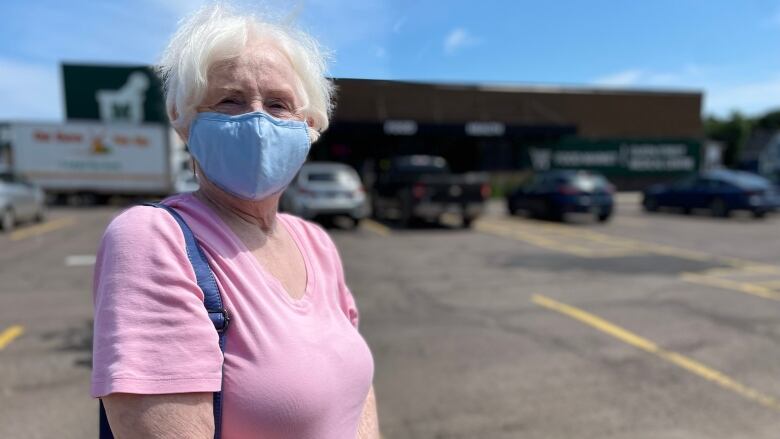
{"x":552,"y":194}
{"x":721,"y":191}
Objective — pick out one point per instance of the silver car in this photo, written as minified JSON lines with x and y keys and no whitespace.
{"x":20,"y":201}
{"x":325,"y":189}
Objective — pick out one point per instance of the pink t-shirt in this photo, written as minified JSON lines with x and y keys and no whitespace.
{"x":292,"y":368}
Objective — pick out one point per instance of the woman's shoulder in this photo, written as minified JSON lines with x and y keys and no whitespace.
{"x":142,"y":225}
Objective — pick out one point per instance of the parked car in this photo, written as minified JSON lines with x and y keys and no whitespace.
{"x":423,"y":187}
{"x":324,"y":189}
{"x":185,"y":182}
{"x":553,"y":194}
{"x":721,"y":191}
{"x":20,"y":201}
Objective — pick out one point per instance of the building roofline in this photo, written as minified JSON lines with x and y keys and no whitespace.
{"x":533,"y":88}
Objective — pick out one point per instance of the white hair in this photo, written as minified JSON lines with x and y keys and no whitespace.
{"x":217,"y":33}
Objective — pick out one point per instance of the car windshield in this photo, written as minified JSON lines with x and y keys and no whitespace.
{"x":321,"y":177}
{"x":340,"y":177}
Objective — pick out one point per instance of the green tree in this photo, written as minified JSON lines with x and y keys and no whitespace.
{"x":732,"y":131}
{"x":769,"y":121}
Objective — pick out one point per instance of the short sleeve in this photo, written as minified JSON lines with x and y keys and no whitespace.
{"x":152,"y":334}
{"x":348,"y":304}
{"x":345,"y":297}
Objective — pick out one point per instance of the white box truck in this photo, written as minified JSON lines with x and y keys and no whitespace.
{"x":93,"y":160}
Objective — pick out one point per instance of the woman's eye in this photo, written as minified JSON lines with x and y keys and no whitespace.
{"x":277,"y":105}
{"x":229,"y":101}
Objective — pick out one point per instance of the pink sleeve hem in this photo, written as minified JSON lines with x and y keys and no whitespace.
{"x":155,"y":387}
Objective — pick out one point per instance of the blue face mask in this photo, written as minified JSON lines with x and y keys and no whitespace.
{"x":251,"y":155}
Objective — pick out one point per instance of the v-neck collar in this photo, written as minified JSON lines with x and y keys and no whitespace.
{"x":244,"y":252}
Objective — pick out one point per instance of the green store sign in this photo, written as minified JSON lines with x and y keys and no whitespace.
{"x":619,"y":157}
{"x":128,"y":94}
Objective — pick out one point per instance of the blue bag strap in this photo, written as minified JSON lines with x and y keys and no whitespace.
{"x":212,"y":300}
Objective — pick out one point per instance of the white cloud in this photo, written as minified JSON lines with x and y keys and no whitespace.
{"x":30,"y":91}
{"x":457,"y":39}
{"x":623,"y":78}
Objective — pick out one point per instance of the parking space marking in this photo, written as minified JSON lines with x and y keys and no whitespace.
{"x":578,"y":242}
{"x":745,"y":276}
{"x":595,"y":244}
{"x":80,"y":260}
{"x":378,"y":228}
{"x":751,"y":288}
{"x":773,"y":284}
{"x":10,"y":334}
{"x":546,"y":242}
{"x":40,"y":229}
{"x":637,"y":341}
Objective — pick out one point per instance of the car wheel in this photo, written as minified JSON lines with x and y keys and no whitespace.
{"x":40,"y":215}
{"x":511,"y":209}
{"x":355,"y":222}
{"x":7,"y":220}
{"x":758,"y":214}
{"x":467,"y":222}
{"x":376,"y":212}
{"x":718,"y":208}
{"x":552,"y":213}
{"x":604,"y":217}
{"x":406,"y":212}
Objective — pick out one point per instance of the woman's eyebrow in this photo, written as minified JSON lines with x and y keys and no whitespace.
{"x":230,"y":90}
{"x":286,"y":92}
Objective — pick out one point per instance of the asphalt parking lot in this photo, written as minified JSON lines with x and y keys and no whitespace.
{"x":651,"y":326}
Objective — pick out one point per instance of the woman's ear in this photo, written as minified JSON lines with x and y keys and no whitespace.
{"x":173,"y":116}
{"x":314,"y":134}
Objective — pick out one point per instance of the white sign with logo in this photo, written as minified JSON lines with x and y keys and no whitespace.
{"x":92,"y":155}
{"x":125,"y":104}
{"x":644,"y":157}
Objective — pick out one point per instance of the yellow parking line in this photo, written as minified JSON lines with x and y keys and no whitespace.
{"x":40,"y":229}
{"x":630,"y":246}
{"x":534,"y":239}
{"x":743,"y":287}
{"x":646,"y":345}
{"x":9,"y":334}
{"x":379,"y":229}
{"x":752,"y":266}
{"x":769,"y":283}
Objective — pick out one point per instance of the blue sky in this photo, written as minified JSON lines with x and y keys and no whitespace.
{"x":728,"y":49}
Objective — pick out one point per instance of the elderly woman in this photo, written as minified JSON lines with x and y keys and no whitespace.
{"x":248,"y":97}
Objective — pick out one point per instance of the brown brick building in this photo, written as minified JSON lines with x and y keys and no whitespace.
{"x":491,"y":127}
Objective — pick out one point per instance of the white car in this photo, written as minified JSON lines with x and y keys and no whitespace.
{"x":20,"y":201}
{"x":326,"y":189}
{"x":185,"y":182}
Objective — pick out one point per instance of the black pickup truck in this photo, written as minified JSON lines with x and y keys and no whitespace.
{"x":422,"y":187}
